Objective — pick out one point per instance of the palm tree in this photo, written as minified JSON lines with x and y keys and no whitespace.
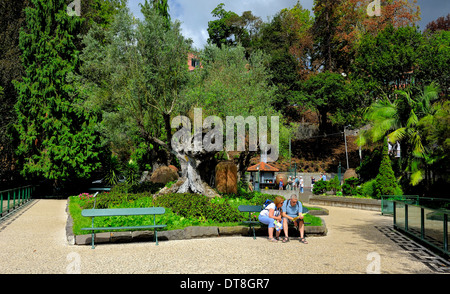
{"x":399,"y":120}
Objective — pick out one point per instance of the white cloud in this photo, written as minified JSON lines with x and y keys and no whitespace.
{"x":195,"y":14}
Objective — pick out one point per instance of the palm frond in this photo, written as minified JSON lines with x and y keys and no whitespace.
{"x":378,"y":132}
{"x":398,"y":135}
{"x":412,"y":119}
{"x":416,"y":177}
{"x":417,"y":173}
{"x":418,"y":148}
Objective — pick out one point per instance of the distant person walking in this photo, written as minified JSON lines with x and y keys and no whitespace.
{"x":301,"y":184}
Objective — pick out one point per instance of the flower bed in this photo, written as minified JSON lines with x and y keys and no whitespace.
{"x":182,"y":210}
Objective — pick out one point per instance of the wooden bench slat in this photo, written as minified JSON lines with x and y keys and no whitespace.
{"x":122,"y":211}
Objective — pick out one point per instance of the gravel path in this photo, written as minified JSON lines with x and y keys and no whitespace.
{"x":34,"y":241}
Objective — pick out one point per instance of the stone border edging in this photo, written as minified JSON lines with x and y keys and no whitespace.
{"x":187,"y":233}
{"x":341,"y":201}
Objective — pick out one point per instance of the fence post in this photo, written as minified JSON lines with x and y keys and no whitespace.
{"x":394,"y":205}
{"x":446,"y":232}
{"x":19,"y":197}
{"x":406,"y":217}
{"x":422,"y":223}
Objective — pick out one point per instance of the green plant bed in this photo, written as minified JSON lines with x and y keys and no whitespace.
{"x":182,"y":210}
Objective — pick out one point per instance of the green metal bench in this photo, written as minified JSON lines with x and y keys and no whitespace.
{"x":257,"y":208}
{"x":250,"y":209}
{"x":124,"y":212}
{"x":100,"y":189}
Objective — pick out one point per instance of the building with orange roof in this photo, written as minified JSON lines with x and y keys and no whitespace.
{"x":266,"y":175}
{"x":193,"y":62}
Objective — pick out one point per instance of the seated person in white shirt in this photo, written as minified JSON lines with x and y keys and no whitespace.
{"x":271,"y":215}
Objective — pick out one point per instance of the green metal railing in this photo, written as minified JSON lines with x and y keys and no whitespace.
{"x":13,"y":198}
{"x":427,"y":221}
{"x":387,"y":206}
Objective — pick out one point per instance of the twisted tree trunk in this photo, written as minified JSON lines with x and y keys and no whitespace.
{"x":189,"y":171}
{"x":196,"y":166}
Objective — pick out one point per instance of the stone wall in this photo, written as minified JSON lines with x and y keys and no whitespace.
{"x":339,"y":201}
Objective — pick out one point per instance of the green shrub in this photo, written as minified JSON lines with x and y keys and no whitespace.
{"x":169,"y":184}
{"x":112,"y":199}
{"x":199,"y":206}
{"x":131,"y":173}
{"x":334,"y":185}
{"x":112,"y":167}
{"x":386,"y":183}
{"x":149,"y":187}
{"x":120,"y":188}
{"x":320,"y":187}
{"x":242,"y":192}
{"x":349,"y":186}
{"x":120,"y":193}
{"x":367,"y":188}
{"x":259,"y":198}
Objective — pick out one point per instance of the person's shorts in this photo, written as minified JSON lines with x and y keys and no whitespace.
{"x":290,"y":221}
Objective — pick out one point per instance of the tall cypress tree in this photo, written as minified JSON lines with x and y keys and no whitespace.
{"x":386,"y":183}
{"x":326,"y":47}
{"x":56,"y":134}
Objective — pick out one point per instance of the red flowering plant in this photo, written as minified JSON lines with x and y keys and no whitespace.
{"x":85,"y":199}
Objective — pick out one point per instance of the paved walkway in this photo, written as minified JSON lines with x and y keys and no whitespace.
{"x":34,"y":241}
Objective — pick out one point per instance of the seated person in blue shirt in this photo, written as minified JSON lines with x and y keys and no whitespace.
{"x":290,"y":210}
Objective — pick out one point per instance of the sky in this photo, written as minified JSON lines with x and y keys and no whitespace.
{"x":195,"y":14}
